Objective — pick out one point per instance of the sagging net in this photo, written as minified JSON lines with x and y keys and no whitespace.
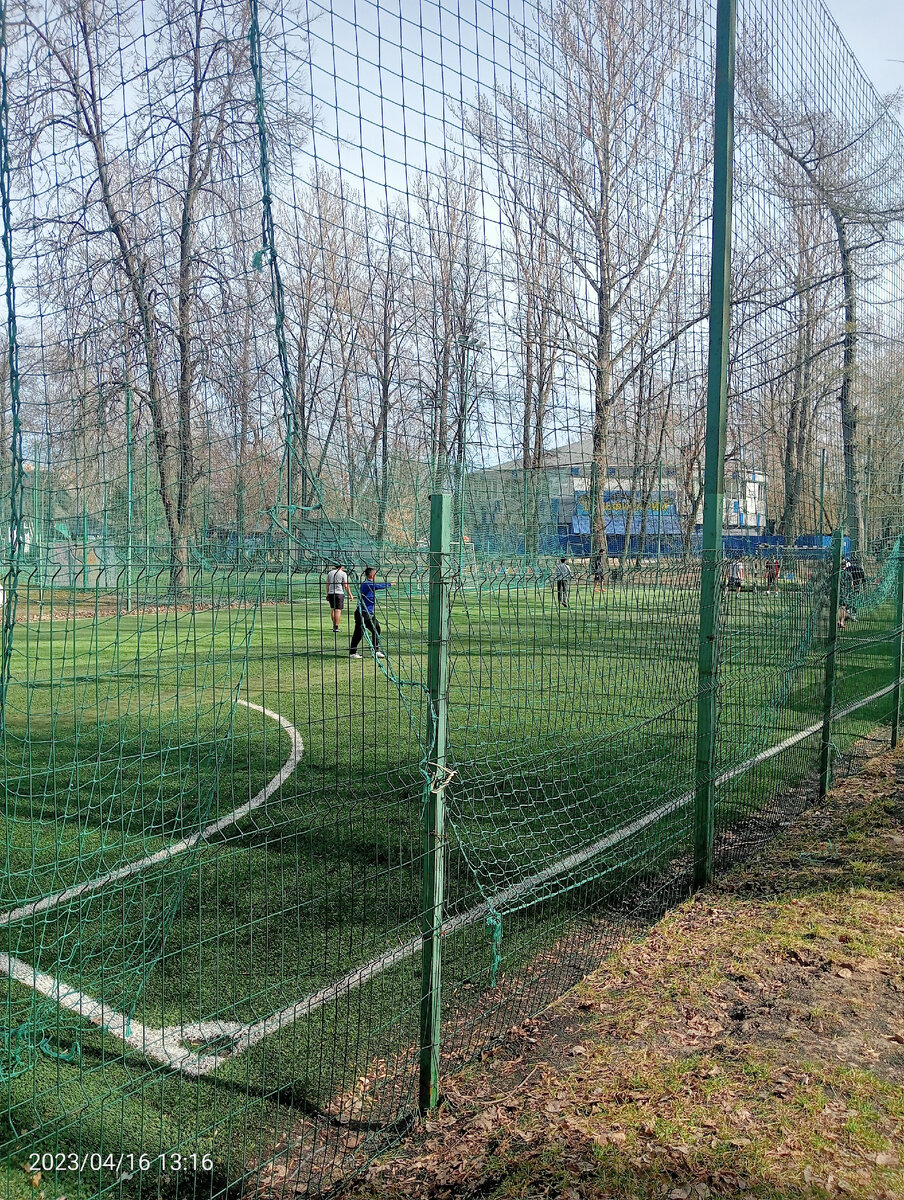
{"x":275,"y":274}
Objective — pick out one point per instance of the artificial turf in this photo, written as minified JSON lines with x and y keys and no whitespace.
{"x":565,"y":725}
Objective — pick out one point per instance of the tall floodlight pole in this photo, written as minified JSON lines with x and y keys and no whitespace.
{"x":147,"y":507}
{"x":869,"y":488}
{"x":470,"y":345}
{"x":129,"y":498}
{"x":36,"y":516}
{"x":716,"y":421}
{"x":822,"y":496}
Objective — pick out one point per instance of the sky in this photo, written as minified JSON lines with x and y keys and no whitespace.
{"x":874,"y":29}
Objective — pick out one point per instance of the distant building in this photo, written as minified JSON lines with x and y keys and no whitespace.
{"x":745,"y":502}
{"x":549,"y":506}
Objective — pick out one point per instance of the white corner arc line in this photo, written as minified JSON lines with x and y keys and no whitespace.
{"x":152,"y":860}
{"x":168,"y":1045}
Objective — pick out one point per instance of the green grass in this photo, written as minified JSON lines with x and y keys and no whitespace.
{"x":122,"y":737}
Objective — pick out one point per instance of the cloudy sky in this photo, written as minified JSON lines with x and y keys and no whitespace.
{"x":874,"y":29}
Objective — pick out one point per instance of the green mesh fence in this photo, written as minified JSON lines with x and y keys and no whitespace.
{"x":284,"y":846}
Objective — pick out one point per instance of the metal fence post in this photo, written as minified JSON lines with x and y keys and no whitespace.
{"x":434,"y":801}
{"x":716,"y":410}
{"x":825,"y":755}
{"x":899,"y":658}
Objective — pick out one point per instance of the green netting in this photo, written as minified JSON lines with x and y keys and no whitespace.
{"x":274,"y":275}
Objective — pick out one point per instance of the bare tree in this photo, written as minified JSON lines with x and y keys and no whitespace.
{"x":387,"y":337}
{"x":613,"y":109}
{"x":149,"y":189}
{"x":450,"y":274}
{"x":852,"y":176}
{"x":532,"y":301}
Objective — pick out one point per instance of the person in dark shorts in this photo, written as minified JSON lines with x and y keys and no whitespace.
{"x":735,"y":575}
{"x":365,"y":614}
{"x":855,"y":576}
{"x":336,"y":590}
{"x":599,"y":571}
{"x":561,"y":575}
{"x":772,"y":572}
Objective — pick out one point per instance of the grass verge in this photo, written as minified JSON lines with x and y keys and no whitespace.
{"x":750,"y":1046}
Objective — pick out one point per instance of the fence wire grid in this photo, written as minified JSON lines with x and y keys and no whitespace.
{"x":353,"y":431}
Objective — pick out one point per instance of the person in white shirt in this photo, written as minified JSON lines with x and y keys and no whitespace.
{"x":336,"y":590}
{"x":561,"y":575}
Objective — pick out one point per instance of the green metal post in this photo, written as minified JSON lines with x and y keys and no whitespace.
{"x":869,"y":489}
{"x":85,"y":577}
{"x":525,"y":508}
{"x":899,"y":663}
{"x":147,"y":507}
{"x":434,"y":800}
{"x":470,"y":346}
{"x":822,"y":496}
{"x":129,"y":499}
{"x":825,"y":756}
{"x":460,"y":500}
{"x":659,"y":520}
{"x":290,"y":501}
{"x":716,"y":417}
{"x":594,"y":483}
{"x":36,"y":514}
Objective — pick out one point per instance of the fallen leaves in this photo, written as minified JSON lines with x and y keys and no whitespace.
{"x":885,"y":1159}
{"x":671,"y":1074}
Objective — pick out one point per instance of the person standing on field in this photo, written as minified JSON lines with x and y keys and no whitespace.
{"x":561,"y":575}
{"x":365,"y":614}
{"x":336,"y":590}
{"x":599,"y":571}
{"x":772,"y":573}
{"x":735,"y":575}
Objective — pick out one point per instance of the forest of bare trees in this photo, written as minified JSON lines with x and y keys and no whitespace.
{"x":544,"y":279}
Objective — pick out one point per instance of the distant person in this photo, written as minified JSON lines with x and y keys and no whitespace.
{"x":772,"y":573}
{"x":365,"y":614}
{"x":735,"y":575}
{"x":856,"y":577}
{"x":615,"y":570}
{"x":562,"y":574}
{"x":599,"y":571}
{"x":336,"y":590}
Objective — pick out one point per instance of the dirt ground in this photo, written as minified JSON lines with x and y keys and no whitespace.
{"x":750,"y":1045}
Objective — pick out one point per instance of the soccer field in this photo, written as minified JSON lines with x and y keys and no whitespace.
{"x":210,"y":909}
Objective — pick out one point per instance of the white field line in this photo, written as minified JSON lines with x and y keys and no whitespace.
{"x":151,"y":860}
{"x":168,"y":1045}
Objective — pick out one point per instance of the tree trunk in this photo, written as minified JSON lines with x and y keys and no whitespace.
{"x":384,"y":443}
{"x":602,"y":401}
{"x":846,"y":402}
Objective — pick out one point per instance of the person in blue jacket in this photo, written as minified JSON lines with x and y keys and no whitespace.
{"x":365,"y":616}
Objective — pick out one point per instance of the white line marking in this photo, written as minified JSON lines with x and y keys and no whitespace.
{"x":141,"y":864}
{"x":168,"y":1045}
